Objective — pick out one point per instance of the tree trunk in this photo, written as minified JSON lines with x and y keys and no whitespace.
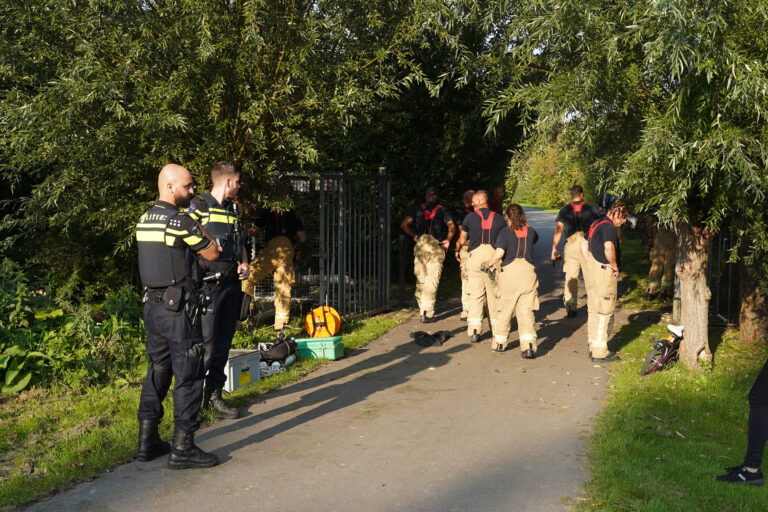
{"x":692,"y":255}
{"x":753,"y":317}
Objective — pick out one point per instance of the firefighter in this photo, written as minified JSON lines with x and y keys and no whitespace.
{"x":573,"y":222}
{"x":602,"y":252}
{"x":166,"y":240}
{"x":283,"y":229}
{"x":518,"y":284}
{"x":478,"y":232}
{"x":661,"y":276}
{"x":216,"y":212}
{"x":433,"y":234}
{"x":462,"y":254}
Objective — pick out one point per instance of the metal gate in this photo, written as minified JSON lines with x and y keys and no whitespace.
{"x":346,"y":259}
{"x":723,"y":278}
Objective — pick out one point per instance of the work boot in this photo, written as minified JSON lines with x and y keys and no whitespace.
{"x":528,"y":354}
{"x":185,"y":454}
{"x":651,"y":296}
{"x":474,"y":338}
{"x":571,"y":313}
{"x":607,"y":359}
{"x":427,"y":320}
{"x":150,"y":444}
{"x":212,"y":398}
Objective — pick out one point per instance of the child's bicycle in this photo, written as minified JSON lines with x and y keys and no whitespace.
{"x":664,"y":350}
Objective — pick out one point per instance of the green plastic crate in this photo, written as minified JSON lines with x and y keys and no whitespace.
{"x":320,"y":348}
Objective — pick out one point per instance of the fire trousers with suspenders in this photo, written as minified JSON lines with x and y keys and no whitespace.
{"x":428,"y":258}
{"x":481,"y":289}
{"x":519,"y":297}
{"x":573,"y":261}
{"x":602,"y":292}
{"x":661,"y":276}
{"x":276,"y":259}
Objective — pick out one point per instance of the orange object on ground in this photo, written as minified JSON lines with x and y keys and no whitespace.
{"x":323,"y":322}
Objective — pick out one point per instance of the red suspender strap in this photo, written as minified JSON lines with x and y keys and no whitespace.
{"x":521,"y":234}
{"x":429,"y":217}
{"x":577,"y":207}
{"x":592,"y":229}
{"x":485,"y":225}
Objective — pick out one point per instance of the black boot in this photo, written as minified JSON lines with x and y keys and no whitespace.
{"x":213,"y":398}
{"x":474,"y":338}
{"x":184,"y":453}
{"x":150,"y":444}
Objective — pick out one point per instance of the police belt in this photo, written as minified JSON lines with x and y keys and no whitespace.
{"x":154,"y":294}
{"x":221,"y":274}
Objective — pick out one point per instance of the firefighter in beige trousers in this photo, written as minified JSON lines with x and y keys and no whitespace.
{"x":661,"y":276}
{"x":462,"y":256}
{"x":518,"y":284}
{"x":603,"y":255}
{"x":478,"y":232}
{"x":434,"y":230}
{"x":282,"y":230}
{"x":572,"y":221}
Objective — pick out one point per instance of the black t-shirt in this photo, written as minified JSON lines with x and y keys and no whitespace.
{"x":602,"y":231}
{"x":463,"y":214}
{"x":573,"y":221}
{"x":516,"y":247}
{"x":438,"y":226}
{"x":472,"y":224}
{"x":275,"y":223}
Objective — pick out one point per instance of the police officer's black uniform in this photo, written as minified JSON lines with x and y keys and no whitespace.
{"x":166,"y":241}
{"x":222,"y":286}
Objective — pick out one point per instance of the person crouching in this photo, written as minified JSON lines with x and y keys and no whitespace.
{"x":518,"y":285}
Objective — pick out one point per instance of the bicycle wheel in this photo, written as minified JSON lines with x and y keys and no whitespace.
{"x":652,"y":362}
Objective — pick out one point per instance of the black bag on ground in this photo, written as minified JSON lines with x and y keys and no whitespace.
{"x":277,"y":349}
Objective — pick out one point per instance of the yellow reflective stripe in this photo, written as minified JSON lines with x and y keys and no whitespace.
{"x":474,"y":321}
{"x":150,"y":236}
{"x":170,"y":240}
{"x":176,"y":231}
{"x":150,"y":225}
{"x":282,"y":315}
{"x":224,"y":219}
{"x":193,"y":240}
{"x":498,"y":337}
{"x":217,"y":210}
{"x":527,"y":337}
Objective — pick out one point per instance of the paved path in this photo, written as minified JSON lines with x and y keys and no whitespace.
{"x":396,"y":427}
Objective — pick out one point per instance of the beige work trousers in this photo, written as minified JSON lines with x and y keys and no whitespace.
{"x":519,"y":296}
{"x":573,"y":262}
{"x":464,"y":255}
{"x":428,"y":258}
{"x":480,"y":290}
{"x":601,"y":303}
{"x":276,"y":259}
{"x":662,"y":272}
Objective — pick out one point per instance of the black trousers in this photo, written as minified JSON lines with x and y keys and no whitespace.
{"x":219,"y":324}
{"x":170,"y":338}
{"x":758,"y":419}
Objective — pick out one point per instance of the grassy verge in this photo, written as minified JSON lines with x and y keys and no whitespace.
{"x":52,"y":438}
{"x":660,"y":440}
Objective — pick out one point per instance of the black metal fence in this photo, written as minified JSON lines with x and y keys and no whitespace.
{"x":346,"y":259}
{"x":724,"y":282}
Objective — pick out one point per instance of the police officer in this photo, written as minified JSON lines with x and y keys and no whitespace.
{"x":167,"y":240}
{"x":433,"y":234}
{"x":462,"y":255}
{"x":661,"y":276}
{"x":603,"y":255}
{"x":573,"y":221}
{"x":282,"y":230}
{"x":518,"y":285}
{"x":216,"y":212}
{"x":479,"y":231}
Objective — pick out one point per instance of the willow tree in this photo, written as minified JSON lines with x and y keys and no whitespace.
{"x":96,"y":95}
{"x":668,"y":99}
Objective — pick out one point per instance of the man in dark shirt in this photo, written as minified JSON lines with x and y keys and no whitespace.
{"x":573,"y":221}
{"x":478,"y":232}
{"x":603,"y":255}
{"x":282,"y":230}
{"x":462,"y":255}
{"x":433,"y":234}
{"x":496,"y":203}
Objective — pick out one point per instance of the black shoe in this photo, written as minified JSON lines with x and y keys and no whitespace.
{"x":474,"y":338}
{"x":607,"y":359}
{"x":740,"y":475}
{"x":650,"y":296}
{"x":499,"y":348}
{"x":150,"y":444}
{"x":571,"y":313}
{"x":427,"y":320}
{"x":185,"y":454}
{"x":212,"y":398}
{"x":528,"y":354}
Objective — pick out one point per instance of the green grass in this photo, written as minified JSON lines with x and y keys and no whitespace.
{"x":52,"y":438}
{"x":660,"y":440}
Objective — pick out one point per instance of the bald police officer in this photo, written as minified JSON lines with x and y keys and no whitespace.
{"x":215,"y":211}
{"x":167,"y":240}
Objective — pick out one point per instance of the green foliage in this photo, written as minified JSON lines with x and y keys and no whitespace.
{"x":18,"y":368}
